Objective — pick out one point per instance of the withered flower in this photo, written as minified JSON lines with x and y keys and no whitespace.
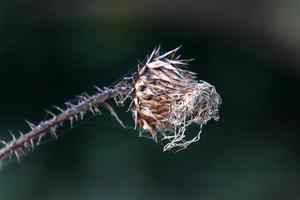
{"x":166,"y":98}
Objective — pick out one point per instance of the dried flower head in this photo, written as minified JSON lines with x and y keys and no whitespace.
{"x":167,"y":98}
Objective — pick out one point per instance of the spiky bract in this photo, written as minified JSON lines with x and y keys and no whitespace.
{"x":166,"y":98}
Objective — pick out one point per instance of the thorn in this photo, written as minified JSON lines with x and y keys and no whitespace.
{"x":3,"y":142}
{"x":177,"y":57}
{"x":177,"y":48}
{"x":30,"y":124}
{"x":81,"y":98}
{"x":53,"y":132}
{"x":92,"y":110}
{"x":86,"y":95}
{"x":79,"y":101}
{"x":21,"y":134}
{"x":58,"y":108}
{"x":154,"y":137}
{"x":51,"y":113}
{"x":97,"y":88}
{"x":96,"y":110}
{"x":76,"y":117}
{"x":10,"y":155}
{"x":71,"y":122}
{"x":136,"y":121}
{"x":106,"y":89}
{"x":13,"y":136}
{"x":170,"y":53}
{"x":32,"y":144}
{"x":69,"y":104}
{"x":39,"y":140}
{"x":151,"y":57}
{"x":157,"y":51}
{"x":113,"y":113}
{"x":140,"y":132}
{"x":118,"y":101}
{"x":22,"y":152}
{"x":26,"y":145}
{"x":186,"y":61}
{"x":17,"y":155}
{"x":81,"y":115}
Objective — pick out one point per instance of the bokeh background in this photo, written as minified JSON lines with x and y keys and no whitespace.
{"x":51,"y":51}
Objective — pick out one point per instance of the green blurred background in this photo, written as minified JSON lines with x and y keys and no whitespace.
{"x":51,"y":51}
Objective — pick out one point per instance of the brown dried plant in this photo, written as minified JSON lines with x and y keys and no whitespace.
{"x":165,"y":99}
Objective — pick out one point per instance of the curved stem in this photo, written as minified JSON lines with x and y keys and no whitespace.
{"x":85,"y":104}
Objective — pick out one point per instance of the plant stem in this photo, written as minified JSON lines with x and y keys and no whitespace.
{"x":85,"y":104}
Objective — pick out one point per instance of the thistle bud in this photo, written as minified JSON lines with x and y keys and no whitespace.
{"x":167,"y":98}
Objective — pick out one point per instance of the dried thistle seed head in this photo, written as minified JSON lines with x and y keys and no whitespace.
{"x":167,"y":98}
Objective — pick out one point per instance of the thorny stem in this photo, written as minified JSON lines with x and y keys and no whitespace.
{"x":165,"y":99}
{"x":88,"y":103}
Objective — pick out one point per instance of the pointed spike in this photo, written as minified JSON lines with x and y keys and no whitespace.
{"x":92,"y":110}
{"x":177,"y":48}
{"x":186,"y":61}
{"x":76,"y":117}
{"x":21,"y":134}
{"x":58,"y":108}
{"x":151,"y":57}
{"x":39,"y":140}
{"x":142,"y":70}
{"x":136,"y":120}
{"x":140,"y":65}
{"x":13,"y":136}
{"x":157,"y":51}
{"x":69,"y":104}
{"x":97,"y":88}
{"x":71,"y":119}
{"x":154,"y":137}
{"x":3,"y":142}
{"x":173,"y":53}
{"x":30,"y":124}
{"x":32,"y":144}
{"x":81,"y":98}
{"x":53,"y":133}
{"x":51,"y":113}
{"x":96,"y":109}
{"x":26,"y":145}
{"x":22,"y":152}
{"x":82,"y":115}
{"x":140,"y":132}
{"x":17,"y":155}
{"x":165,"y":55}
{"x":11,"y":153}
{"x":178,"y":57}
{"x":86,"y":95}
{"x":113,"y":113}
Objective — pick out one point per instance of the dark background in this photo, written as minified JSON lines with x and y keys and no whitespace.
{"x":51,"y":51}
